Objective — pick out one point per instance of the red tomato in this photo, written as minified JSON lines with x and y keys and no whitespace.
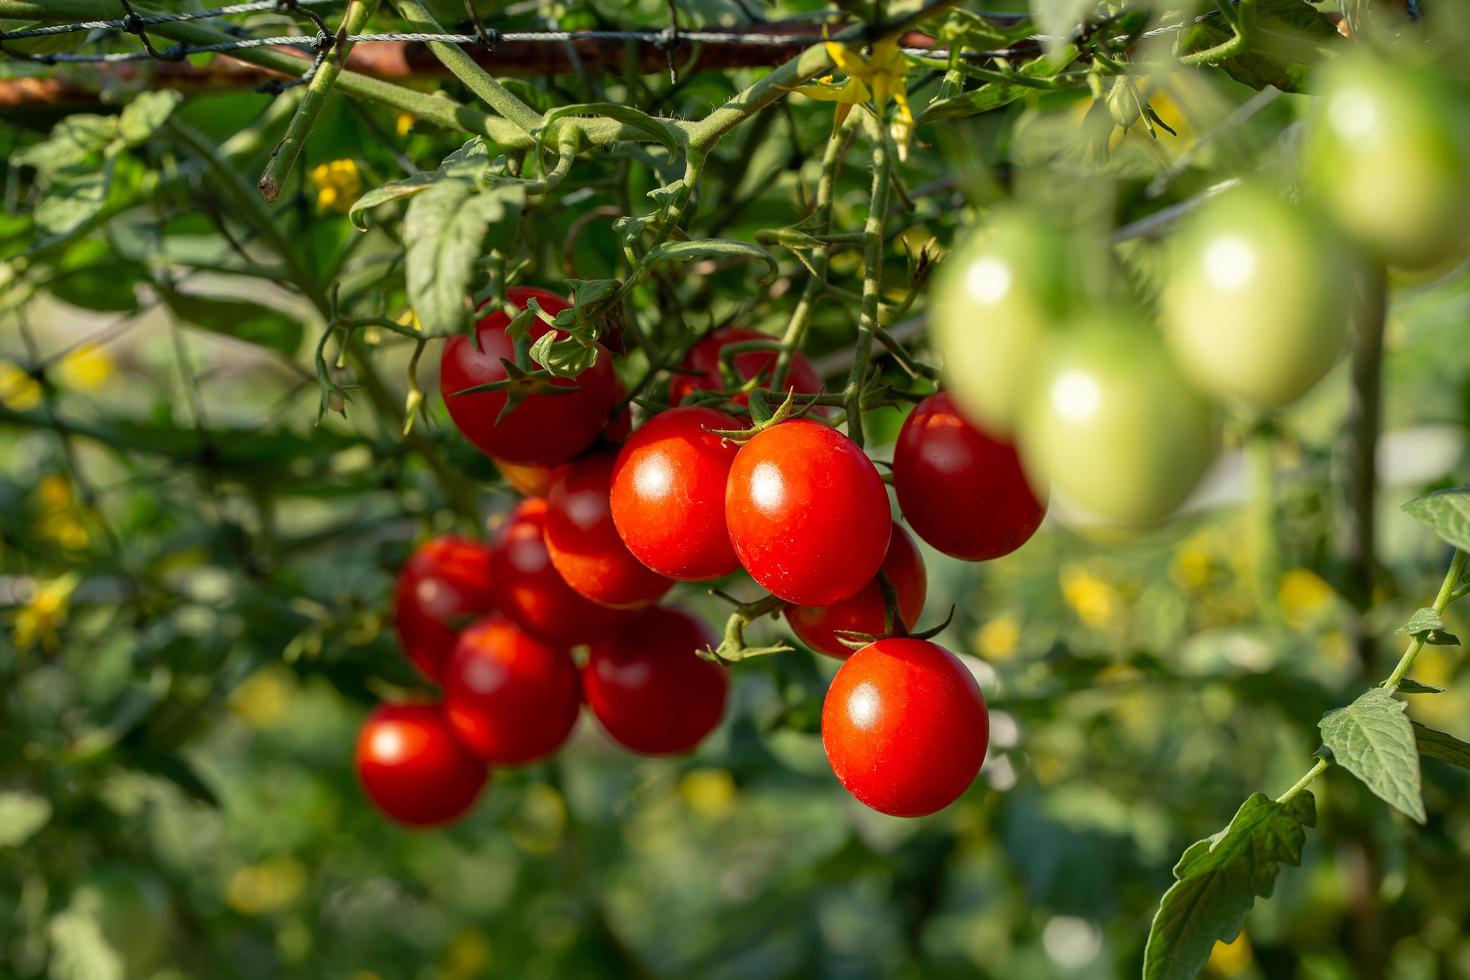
{"x":414,"y":769}
{"x":443,"y":585}
{"x":668,"y":494}
{"x":650,"y":689}
{"x":905,"y":727}
{"x":807,"y":512}
{"x":529,"y":589}
{"x":816,"y":626}
{"x":961,"y":489}
{"x":543,"y":429}
{"x":508,"y":696}
{"x":528,"y":481}
{"x":700,"y":369}
{"x":584,"y":544}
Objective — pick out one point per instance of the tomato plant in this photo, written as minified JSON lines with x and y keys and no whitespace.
{"x":701,"y":368}
{"x":414,"y":769}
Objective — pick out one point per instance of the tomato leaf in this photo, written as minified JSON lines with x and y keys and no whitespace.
{"x":994,"y":95}
{"x":237,"y":318}
{"x":469,"y":162}
{"x":22,"y":813}
{"x":714,"y":248}
{"x":1219,"y":879}
{"x":1446,"y":513}
{"x":1372,"y":739}
{"x":447,"y":228}
{"x":1410,"y":686}
{"x":1289,"y":34}
{"x":1441,"y":745}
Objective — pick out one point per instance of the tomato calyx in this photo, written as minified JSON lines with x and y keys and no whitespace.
{"x":733,"y":648}
{"x":762,"y":417}
{"x":893,"y":627}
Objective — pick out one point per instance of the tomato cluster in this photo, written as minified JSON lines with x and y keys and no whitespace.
{"x":561,"y":610}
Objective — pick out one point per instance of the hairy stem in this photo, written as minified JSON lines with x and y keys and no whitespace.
{"x":872,"y":276}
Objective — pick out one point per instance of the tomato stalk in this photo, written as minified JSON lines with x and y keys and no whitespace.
{"x":872,"y":274}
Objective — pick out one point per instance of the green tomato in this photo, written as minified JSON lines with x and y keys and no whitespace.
{"x":994,"y":299}
{"x":131,"y":907}
{"x":1258,"y":303}
{"x":1388,"y":156}
{"x":1112,"y":423}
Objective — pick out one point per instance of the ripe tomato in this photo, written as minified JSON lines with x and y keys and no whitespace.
{"x":584,"y":544}
{"x":1259,"y":300}
{"x":414,"y":769}
{"x":994,"y":298}
{"x":529,"y":589}
{"x":807,"y":512}
{"x":668,"y":494}
{"x":961,"y":489}
{"x":700,"y":369}
{"x":508,"y":696}
{"x":543,"y":429}
{"x":1114,"y":425}
{"x":443,"y":585}
{"x":528,"y":481}
{"x":1388,"y":155}
{"x":648,"y":687}
{"x":816,"y":626}
{"x":905,"y":727}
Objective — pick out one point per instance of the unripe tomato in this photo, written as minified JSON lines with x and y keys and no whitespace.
{"x":414,"y":769}
{"x":1114,"y":425}
{"x":905,"y":727}
{"x":650,"y":689}
{"x":508,"y":696}
{"x":1258,"y":303}
{"x":668,"y":494}
{"x":584,"y":544}
{"x":807,"y":512}
{"x":131,"y":908}
{"x":961,"y":489}
{"x":543,"y":429}
{"x":865,"y":612}
{"x":528,"y":481}
{"x":529,"y":589}
{"x":994,"y":298}
{"x":1387,"y":154}
{"x":700,"y":369}
{"x":443,"y":585}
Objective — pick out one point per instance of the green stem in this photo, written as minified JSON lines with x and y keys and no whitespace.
{"x":283,"y":158}
{"x":872,"y":276}
{"x":1318,"y":768}
{"x":1443,"y":599}
{"x":1244,"y":32}
{"x":1261,"y":462}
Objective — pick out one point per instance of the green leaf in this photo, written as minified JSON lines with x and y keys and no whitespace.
{"x":73,"y":197}
{"x":1372,"y":739}
{"x":714,"y":248}
{"x":237,"y":318}
{"x":1219,"y":879}
{"x":75,"y":141}
{"x":994,"y":95}
{"x":81,"y":951}
{"x":145,"y":114}
{"x":1289,"y":34}
{"x":1426,"y":623}
{"x":447,"y":228}
{"x":469,"y":162}
{"x":1410,"y":686}
{"x":564,"y":357}
{"x":1447,"y":514}
{"x":1441,"y":745}
{"x":21,"y":814}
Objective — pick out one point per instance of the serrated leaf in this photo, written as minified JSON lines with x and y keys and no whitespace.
{"x":1422,"y":621}
{"x":469,"y":162}
{"x":714,"y":248}
{"x":237,"y":318}
{"x":1441,"y":745}
{"x":1446,"y":513}
{"x":1219,"y":879}
{"x":1410,"y":686}
{"x":1372,"y":739}
{"x":447,"y":228}
{"x":144,"y":115}
{"x":21,"y":815}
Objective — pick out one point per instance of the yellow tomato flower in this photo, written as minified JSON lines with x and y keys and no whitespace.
{"x":39,"y":620}
{"x":18,"y":390}
{"x":403,"y":124}
{"x":337,"y":184}
{"x":264,"y":697}
{"x":1303,"y":596}
{"x":1093,"y":600}
{"x":709,"y":792}
{"x":270,"y":886}
{"x":876,"y":77}
{"x":86,"y":369}
{"x":1000,"y":637}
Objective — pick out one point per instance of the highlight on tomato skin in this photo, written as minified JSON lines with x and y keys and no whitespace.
{"x":905,"y":727}
{"x":414,"y":769}
{"x":508,"y":696}
{"x":668,"y":493}
{"x":963,"y":490}
{"x":543,"y":429}
{"x":444,"y":584}
{"x":866,"y":612}
{"x":648,"y":687}
{"x":808,"y":513}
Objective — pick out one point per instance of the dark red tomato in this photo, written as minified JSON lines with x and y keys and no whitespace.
{"x":543,"y":429}
{"x":700,"y":369}
{"x":584,"y":544}
{"x":528,"y":481}
{"x":807,"y":512}
{"x":668,"y":494}
{"x":530,"y":590}
{"x":961,"y":489}
{"x":816,"y":626}
{"x":414,"y":769}
{"x":650,"y":689}
{"x":508,"y":696}
{"x":905,"y":727}
{"x":443,"y":586}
